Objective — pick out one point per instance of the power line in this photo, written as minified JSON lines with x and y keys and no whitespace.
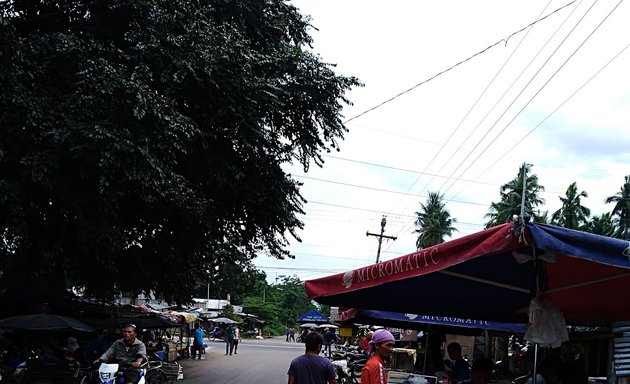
{"x":545,"y":84}
{"x":375,"y":189}
{"x":381,"y":212}
{"x":408,"y":225}
{"x":504,"y":40}
{"x":550,"y":114}
{"x":514,"y":101}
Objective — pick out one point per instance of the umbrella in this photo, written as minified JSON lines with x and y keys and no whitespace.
{"x":331,"y":326}
{"x":44,"y":322}
{"x":308,"y":325}
{"x":493,"y":275}
{"x":224,"y":320}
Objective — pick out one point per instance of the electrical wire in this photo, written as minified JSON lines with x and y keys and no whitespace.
{"x":550,"y":114}
{"x":506,"y":110}
{"x":411,"y":223}
{"x":542,"y":87}
{"x":504,"y":40}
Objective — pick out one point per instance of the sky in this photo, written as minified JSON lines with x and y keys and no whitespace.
{"x":457,"y":96}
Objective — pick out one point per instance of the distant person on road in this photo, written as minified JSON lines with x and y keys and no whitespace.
{"x":381,"y":349}
{"x":237,"y":338}
{"x":286,"y":332}
{"x":328,"y":339}
{"x":310,"y":368}
{"x":198,"y":342}
{"x":292,"y":334}
{"x":229,"y":340}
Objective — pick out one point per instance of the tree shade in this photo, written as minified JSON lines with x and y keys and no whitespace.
{"x":142,"y":142}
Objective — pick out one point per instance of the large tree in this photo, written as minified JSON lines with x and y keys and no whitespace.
{"x":433,"y":222}
{"x":572,"y":214}
{"x":511,"y":198}
{"x":601,"y":225}
{"x":141,"y":142}
{"x":621,"y":210}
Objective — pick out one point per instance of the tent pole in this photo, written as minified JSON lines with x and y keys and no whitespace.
{"x":426,"y":351}
{"x":535,"y":364}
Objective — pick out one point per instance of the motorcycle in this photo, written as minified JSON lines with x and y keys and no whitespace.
{"x":113,"y":374}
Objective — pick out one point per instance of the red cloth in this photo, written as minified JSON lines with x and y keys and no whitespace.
{"x":374,"y":371}
{"x":364,"y":344}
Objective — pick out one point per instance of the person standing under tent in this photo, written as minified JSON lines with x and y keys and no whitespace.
{"x":381,"y":349}
{"x":460,"y":370}
{"x":198,"y":342}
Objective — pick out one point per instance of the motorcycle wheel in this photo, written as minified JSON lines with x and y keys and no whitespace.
{"x":155,"y":376}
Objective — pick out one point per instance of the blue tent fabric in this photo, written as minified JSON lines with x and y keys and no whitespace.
{"x":313,"y":316}
{"x":584,"y":245}
{"x":418,"y":321}
{"x":493,"y":275}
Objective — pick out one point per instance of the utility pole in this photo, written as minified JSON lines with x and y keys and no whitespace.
{"x":380,"y":238}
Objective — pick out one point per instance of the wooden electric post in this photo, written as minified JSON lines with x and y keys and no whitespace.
{"x":380,"y":238}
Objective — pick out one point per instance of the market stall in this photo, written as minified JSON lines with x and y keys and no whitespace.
{"x":498,"y":274}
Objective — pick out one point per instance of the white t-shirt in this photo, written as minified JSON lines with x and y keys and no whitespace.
{"x":237,"y":334}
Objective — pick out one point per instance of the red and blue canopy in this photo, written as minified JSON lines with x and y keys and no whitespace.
{"x":422,"y":322}
{"x":492,"y":275}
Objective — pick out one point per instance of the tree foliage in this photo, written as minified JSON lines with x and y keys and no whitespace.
{"x":279,"y":304}
{"x":433,"y":222}
{"x":142,"y":141}
{"x":621,"y":210}
{"x":572,"y":214}
{"x":511,"y":198}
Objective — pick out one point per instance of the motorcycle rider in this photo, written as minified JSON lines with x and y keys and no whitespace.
{"x":127,"y":351}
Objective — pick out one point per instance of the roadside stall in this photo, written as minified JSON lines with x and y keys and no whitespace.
{"x":504,"y":274}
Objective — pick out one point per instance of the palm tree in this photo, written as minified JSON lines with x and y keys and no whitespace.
{"x":511,"y":198}
{"x":572,"y":214}
{"x":434,"y":222}
{"x":622,"y":209}
{"x":601,"y":225}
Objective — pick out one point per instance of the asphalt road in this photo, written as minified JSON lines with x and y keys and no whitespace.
{"x":257,"y":361}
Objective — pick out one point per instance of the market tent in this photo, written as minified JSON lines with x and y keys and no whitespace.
{"x":492,"y":275}
{"x":139,"y":322}
{"x":422,"y":322}
{"x":313,"y":316}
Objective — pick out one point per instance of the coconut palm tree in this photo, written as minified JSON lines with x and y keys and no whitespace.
{"x":601,"y":225}
{"x":511,"y":198}
{"x":621,"y":211}
{"x":433,"y":222}
{"x":572,"y":214}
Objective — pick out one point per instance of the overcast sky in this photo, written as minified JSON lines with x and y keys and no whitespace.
{"x":556,"y":95}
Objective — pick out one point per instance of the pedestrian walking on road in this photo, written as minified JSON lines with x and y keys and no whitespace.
{"x":286,"y":332}
{"x":311,"y":368}
{"x":328,"y":340}
{"x":229,"y":340}
{"x":292,"y":334}
{"x":237,"y":338}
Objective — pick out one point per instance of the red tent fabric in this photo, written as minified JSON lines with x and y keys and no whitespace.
{"x":492,"y":275}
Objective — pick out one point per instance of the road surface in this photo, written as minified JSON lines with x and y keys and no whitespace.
{"x":257,"y":361}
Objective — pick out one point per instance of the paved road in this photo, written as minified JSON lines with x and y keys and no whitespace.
{"x":257,"y":361}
